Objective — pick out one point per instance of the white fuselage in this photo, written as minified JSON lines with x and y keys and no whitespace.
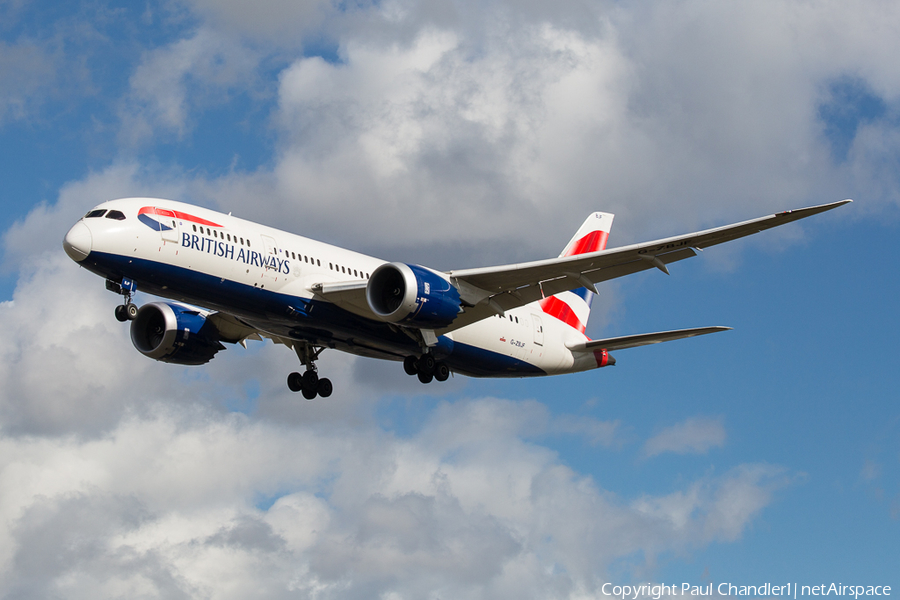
{"x":261,"y":274}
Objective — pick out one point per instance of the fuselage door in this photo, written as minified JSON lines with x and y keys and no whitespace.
{"x":271,"y":245}
{"x":538,"y":330}
{"x":168,"y":225}
{"x":270,"y":258}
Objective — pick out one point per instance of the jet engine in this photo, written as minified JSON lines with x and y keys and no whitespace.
{"x":174,"y":334}
{"x":412,"y":295}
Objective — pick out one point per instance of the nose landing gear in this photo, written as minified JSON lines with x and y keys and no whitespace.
{"x":129,"y":310}
{"x":309,"y":383}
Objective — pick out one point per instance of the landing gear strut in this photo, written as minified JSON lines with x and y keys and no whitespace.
{"x":426,"y":368}
{"x":129,"y":310}
{"x":309,"y":383}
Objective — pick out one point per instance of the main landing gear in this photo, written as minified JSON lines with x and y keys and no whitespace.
{"x":426,"y":368}
{"x":309,"y":383}
{"x":129,"y":310}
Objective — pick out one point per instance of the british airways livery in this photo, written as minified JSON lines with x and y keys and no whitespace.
{"x":256,"y":282}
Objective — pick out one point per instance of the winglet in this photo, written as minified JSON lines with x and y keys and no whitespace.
{"x":814,"y":210}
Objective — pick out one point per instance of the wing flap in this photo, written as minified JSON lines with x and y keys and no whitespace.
{"x":349,"y":295}
{"x":231,"y":329}
{"x":643,"y":339}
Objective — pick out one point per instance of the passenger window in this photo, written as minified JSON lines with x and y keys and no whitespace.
{"x":228,"y":235}
{"x":118,"y":215}
{"x":94,"y":214}
{"x":319,"y":262}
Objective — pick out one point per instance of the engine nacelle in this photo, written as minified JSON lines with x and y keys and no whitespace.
{"x":412,"y":295}
{"x":174,"y":334}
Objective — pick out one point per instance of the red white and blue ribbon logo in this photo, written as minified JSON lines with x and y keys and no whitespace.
{"x":148,"y":216}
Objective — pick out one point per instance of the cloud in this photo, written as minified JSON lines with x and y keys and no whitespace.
{"x":450,"y":139}
{"x":721,"y":511}
{"x":400,"y":132}
{"x":173,"y":81}
{"x":168,"y":504}
{"x":695,"y":435}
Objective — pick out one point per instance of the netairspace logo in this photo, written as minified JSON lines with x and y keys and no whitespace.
{"x":657,"y":591}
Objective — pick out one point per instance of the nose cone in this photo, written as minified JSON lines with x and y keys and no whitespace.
{"x":78,"y":242}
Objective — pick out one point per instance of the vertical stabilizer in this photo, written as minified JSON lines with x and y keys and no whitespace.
{"x":573,"y":308}
{"x":591,"y":236}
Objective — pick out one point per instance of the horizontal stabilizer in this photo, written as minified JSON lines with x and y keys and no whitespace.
{"x":643,"y":339}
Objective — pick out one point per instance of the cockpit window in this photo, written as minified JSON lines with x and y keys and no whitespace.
{"x":118,"y":215}
{"x":95,"y":213}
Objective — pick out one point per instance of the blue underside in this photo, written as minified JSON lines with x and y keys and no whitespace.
{"x":317,"y":322}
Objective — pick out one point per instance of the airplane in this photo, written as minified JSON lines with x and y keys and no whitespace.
{"x":255,"y":282}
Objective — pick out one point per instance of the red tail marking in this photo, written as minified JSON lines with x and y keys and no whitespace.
{"x":592,"y":242}
{"x":555,"y":307}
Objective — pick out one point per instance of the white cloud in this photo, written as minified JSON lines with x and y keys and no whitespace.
{"x":695,"y":435}
{"x":493,"y":140}
{"x":165,"y":505}
{"x":705,"y":512}
{"x":194,"y":72}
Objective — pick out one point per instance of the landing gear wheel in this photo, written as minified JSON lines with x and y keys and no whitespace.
{"x":425,"y":377}
{"x":121,"y":314}
{"x":426,"y":365}
{"x":295,"y":382}
{"x":309,"y":383}
{"x":131,"y":311}
{"x":409,"y":365}
{"x":310,"y":380}
{"x":441,"y":371}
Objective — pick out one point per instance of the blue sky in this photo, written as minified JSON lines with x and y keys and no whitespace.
{"x":459,"y":135}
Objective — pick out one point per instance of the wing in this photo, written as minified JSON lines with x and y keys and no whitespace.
{"x":491,"y":290}
{"x":643,"y":339}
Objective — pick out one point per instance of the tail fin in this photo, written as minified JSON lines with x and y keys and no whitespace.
{"x":591,"y":236}
{"x":573,"y":308}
